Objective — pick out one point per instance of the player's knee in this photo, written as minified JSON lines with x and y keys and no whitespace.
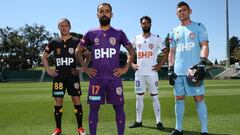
{"x":140,"y":94}
{"x":78,"y":109}
{"x":118,"y":108}
{"x":180,"y":97}
{"x":94,"y":107}
{"x":198,"y":98}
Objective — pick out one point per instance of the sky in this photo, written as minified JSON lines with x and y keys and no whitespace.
{"x":126,"y":15}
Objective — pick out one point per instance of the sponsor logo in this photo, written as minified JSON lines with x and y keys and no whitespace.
{"x":58,"y":50}
{"x":145,"y":54}
{"x":64,"y":61}
{"x":58,"y":93}
{"x":96,"y":40}
{"x":94,"y":98}
{"x":185,"y":47}
{"x":104,"y":53}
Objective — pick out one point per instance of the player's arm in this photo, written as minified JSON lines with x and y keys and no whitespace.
{"x":79,"y":52}
{"x":204,"y":49}
{"x":158,"y":66}
{"x":51,"y":72}
{"x":171,"y":74}
{"x":120,"y":71}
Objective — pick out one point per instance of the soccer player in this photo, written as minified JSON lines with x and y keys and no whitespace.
{"x":65,"y":76}
{"x":147,"y":46}
{"x":105,"y":82}
{"x":188,"y":47}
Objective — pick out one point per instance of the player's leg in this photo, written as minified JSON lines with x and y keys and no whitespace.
{"x":93,"y":118}
{"x":179,"y":92}
{"x":202,"y":112}
{"x":96,"y":96}
{"x":152,"y":82}
{"x":120,"y":118}
{"x":78,"y":113}
{"x":58,"y":91}
{"x":73,"y":89}
{"x":140,"y":88}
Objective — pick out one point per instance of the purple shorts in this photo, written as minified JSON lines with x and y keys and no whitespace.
{"x":103,"y":91}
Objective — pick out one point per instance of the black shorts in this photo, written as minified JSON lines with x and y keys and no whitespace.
{"x":63,"y":82}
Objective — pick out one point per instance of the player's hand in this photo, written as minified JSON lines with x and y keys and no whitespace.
{"x":52,"y":72}
{"x":156,"y":67}
{"x":120,"y":71}
{"x":76,"y":71}
{"x":200,"y":69}
{"x":135,"y":66}
{"x":90,"y":71}
{"x":171,"y":75}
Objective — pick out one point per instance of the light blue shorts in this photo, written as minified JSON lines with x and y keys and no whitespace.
{"x":184,"y":87}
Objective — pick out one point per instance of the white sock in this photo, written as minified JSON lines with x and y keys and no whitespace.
{"x":139,"y":107}
{"x":157,"y":108}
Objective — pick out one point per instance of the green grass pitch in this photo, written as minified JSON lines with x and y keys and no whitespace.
{"x":27,"y":109}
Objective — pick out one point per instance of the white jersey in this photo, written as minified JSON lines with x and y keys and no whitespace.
{"x":147,"y":51}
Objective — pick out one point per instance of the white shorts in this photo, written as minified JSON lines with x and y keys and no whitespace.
{"x":144,"y":82}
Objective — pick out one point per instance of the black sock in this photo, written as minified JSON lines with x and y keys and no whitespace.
{"x":58,"y":116}
{"x":79,"y":114}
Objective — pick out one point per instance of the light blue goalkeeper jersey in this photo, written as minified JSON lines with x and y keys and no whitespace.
{"x":186,"y":40}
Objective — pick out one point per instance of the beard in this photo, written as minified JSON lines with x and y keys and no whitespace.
{"x":146,"y":29}
{"x":104,"y":21}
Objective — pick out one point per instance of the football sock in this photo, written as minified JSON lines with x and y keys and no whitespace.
{"x":120,"y":118}
{"x":156,"y":108}
{"x":79,"y":114}
{"x":139,"y":107}
{"x":202,"y":114}
{"x":93,"y":118}
{"x":58,"y":116}
{"x":179,"y":112}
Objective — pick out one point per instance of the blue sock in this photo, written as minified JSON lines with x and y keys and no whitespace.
{"x":179,"y":112}
{"x":202,"y":114}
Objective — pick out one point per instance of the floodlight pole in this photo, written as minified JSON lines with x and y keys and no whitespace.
{"x":227,"y":38}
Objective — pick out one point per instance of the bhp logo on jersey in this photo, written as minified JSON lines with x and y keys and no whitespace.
{"x":64,"y":61}
{"x":144,"y":54}
{"x":185,"y":47}
{"x":104,"y":53}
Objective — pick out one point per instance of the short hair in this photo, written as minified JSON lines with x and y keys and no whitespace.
{"x":182,"y":3}
{"x":64,"y":20}
{"x":147,"y":18}
{"x":105,"y":4}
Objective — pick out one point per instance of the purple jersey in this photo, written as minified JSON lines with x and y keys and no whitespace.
{"x":105,"y":48}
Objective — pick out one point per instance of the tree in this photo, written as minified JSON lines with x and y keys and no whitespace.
{"x":234,"y":49}
{"x":215,"y":62}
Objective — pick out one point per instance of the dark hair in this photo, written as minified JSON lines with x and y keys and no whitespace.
{"x":64,"y":19}
{"x":182,"y":3}
{"x":105,"y":4}
{"x":147,"y":18}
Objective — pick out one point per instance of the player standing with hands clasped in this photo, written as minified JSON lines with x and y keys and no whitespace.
{"x":105,"y":82}
{"x":147,"y":46}
{"x":187,"y":60}
{"x":65,"y":76}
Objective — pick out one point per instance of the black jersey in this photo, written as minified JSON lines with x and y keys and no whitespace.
{"x":63,"y":52}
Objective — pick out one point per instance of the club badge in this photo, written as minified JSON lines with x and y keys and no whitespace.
{"x":71,"y":50}
{"x":192,"y":35}
{"x":112,"y":41}
{"x":150,"y":46}
{"x":76,"y":85}
{"x":119,"y":90}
